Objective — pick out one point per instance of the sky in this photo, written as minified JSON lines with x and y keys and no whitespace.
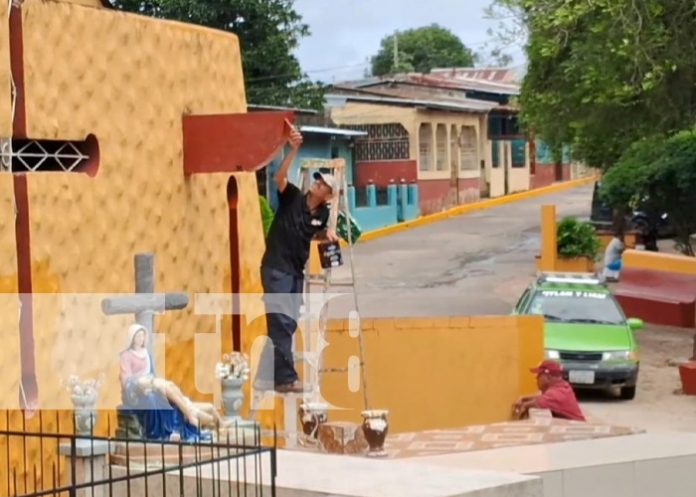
{"x":346,"y":33}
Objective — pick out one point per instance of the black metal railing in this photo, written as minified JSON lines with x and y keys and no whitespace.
{"x":42,"y":461}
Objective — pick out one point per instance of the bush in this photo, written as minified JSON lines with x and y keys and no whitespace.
{"x":267,"y":215}
{"x":577,"y":239}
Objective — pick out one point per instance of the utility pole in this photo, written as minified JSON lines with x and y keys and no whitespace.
{"x":395,"y":66}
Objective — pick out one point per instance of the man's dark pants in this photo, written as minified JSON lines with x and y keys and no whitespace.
{"x":283,"y":298}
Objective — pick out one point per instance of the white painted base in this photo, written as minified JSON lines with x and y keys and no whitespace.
{"x":645,"y":465}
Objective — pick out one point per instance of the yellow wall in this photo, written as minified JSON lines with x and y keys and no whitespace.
{"x":448,"y":119}
{"x":641,"y":259}
{"x":437,"y":372}
{"x":364,"y":113}
{"x":128,"y":80}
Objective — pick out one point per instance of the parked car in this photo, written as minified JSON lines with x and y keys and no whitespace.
{"x":586,"y":330}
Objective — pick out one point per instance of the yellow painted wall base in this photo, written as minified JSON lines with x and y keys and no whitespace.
{"x":440,"y":372}
{"x":656,"y":261}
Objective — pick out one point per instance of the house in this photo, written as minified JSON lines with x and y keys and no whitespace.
{"x":494,"y":83}
{"x":415,"y":134}
{"x":459,"y":136}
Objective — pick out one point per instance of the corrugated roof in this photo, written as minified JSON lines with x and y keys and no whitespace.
{"x":281,"y":108}
{"x":461,"y":105}
{"x":493,"y":74}
{"x":441,"y":80}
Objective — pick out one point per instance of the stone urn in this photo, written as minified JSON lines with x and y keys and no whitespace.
{"x":375,"y":428}
{"x":312,"y":416}
{"x":232,"y":397}
{"x":84,"y":399}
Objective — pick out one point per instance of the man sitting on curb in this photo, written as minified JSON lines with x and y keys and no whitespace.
{"x":556,"y":394}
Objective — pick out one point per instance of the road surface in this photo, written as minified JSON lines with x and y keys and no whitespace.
{"x":477,"y":263}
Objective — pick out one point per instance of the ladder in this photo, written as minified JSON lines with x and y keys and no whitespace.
{"x":335,"y":167}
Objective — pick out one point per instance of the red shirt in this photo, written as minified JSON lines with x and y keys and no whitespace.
{"x":560,"y":399}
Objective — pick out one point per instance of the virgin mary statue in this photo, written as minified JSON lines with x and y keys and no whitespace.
{"x":161,"y":408}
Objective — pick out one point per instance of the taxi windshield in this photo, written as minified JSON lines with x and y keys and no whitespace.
{"x":577,"y":306}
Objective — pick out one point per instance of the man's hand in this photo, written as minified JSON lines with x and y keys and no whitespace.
{"x":281,"y":175}
{"x":295,"y":139}
{"x":331,"y":235}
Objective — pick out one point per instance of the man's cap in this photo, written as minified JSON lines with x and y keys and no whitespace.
{"x":548,"y":367}
{"x":327,"y":178}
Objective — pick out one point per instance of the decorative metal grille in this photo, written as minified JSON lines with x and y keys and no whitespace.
{"x":383,"y":142}
{"x":42,"y":155}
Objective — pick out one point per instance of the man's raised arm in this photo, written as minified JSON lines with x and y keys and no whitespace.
{"x":281,"y":175}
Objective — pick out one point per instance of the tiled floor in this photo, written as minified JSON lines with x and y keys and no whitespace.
{"x":539,"y":430}
{"x":509,"y":434}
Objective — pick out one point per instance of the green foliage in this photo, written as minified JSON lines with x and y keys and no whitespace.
{"x":268,"y":31}
{"x":421,"y":50}
{"x":603,"y":74}
{"x":663,"y":171}
{"x":576,"y":239}
{"x":267,"y":215}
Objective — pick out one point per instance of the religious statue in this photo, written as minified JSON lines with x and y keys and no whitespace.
{"x":162,"y":409}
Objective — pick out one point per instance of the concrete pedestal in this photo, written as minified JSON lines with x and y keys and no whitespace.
{"x":88,"y":458}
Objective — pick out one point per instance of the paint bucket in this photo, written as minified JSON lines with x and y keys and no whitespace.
{"x":330,"y":255}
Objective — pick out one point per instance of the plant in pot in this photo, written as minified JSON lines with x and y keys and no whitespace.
{"x":577,"y":245}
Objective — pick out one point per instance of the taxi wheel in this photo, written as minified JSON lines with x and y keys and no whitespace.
{"x":628,"y":393}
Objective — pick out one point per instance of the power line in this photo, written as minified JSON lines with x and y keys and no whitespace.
{"x":312,"y":71}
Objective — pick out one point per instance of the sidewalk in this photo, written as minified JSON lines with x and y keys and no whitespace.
{"x":472,"y":207}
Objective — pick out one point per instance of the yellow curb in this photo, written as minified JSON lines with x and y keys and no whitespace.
{"x":472,"y":207}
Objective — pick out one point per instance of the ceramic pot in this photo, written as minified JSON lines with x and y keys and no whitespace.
{"x":312,"y":416}
{"x":375,"y":427}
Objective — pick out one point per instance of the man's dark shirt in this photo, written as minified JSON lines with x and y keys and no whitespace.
{"x":294,"y":226}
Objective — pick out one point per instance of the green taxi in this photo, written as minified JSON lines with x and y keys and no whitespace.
{"x":585,"y":330}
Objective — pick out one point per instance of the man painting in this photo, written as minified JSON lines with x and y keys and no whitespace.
{"x":299,"y":218}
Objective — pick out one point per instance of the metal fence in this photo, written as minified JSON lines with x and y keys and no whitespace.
{"x":42,"y":462}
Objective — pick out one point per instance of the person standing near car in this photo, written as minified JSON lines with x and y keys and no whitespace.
{"x":612,"y":255}
{"x":556,"y":394}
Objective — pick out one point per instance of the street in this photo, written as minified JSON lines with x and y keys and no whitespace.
{"x":480,"y":263}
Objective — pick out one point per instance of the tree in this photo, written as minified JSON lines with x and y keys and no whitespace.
{"x":421,"y":50}
{"x":661,"y":171}
{"x":268,"y":31}
{"x":605,"y":73}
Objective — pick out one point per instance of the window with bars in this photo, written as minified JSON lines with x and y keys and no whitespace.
{"x":27,"y":155}
{"x":383,"y":142}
